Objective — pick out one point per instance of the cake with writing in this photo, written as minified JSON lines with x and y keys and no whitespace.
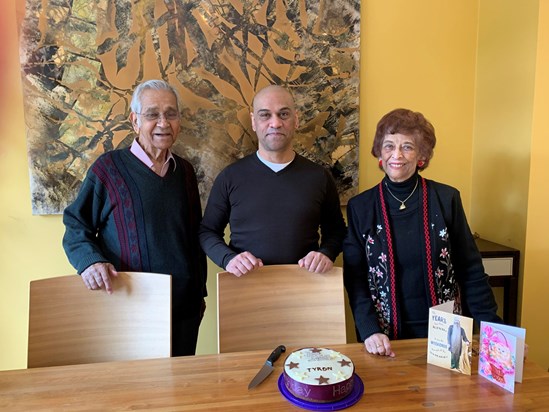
{"x":318,"y":375}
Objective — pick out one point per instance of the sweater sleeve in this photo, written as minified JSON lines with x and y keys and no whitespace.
{"x":214,"y":223}
{"x":476,"y":294}
{"x":332,"y":225}
{"x":82,"y":220}
{"x":355,"y":275}
{"x":193,"y":195}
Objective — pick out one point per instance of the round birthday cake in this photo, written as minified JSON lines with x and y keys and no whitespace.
{"x":318,"y":375}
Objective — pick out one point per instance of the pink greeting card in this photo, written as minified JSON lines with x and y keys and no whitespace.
{"x":501,"y":354}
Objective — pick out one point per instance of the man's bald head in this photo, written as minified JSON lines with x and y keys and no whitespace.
{"x":274,"y":120}
{"x":269,"y":91}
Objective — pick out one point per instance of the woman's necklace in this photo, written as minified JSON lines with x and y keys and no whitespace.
{"x":402,"y":205}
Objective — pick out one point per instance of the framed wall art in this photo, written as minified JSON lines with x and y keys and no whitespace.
{"x":81,"y":60}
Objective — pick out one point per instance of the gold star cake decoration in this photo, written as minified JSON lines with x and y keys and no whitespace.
{"x":293,"y":365}
{"x":321,"y":379}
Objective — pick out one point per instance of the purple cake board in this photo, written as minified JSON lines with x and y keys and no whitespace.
{"x":351,"y":399}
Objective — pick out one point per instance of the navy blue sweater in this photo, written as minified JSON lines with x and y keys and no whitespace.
{"x":129,"y":216}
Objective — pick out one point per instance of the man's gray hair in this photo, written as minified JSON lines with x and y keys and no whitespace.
{"x":151,"y":85}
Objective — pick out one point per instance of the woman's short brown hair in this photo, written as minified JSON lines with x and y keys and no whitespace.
{"x":407,"y":122}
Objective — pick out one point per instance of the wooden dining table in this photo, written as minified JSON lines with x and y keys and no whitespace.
{"x":220,"y":383}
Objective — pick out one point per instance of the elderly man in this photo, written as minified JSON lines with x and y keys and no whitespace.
{"x":274,"y":200}
{"x":456,"y":338}
{"x":139,"y":210}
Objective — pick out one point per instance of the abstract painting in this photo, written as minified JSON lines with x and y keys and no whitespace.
{"x":81,"y":60}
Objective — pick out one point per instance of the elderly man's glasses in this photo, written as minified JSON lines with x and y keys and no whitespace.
{"x":155,"y":116}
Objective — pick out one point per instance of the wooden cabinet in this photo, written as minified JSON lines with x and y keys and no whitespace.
{"x":501,"y":263}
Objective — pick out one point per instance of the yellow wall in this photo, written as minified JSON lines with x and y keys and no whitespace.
{"x":503,"y":120}
{"x":29,"y":245}
{"x":419,"y":54}
{"x":536,"y":280}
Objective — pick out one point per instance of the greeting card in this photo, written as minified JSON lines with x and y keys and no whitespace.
{"x":501,"y":354}
{"x":449,"y":339}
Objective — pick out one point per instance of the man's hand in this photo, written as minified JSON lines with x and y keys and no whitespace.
{"x":98,"y":276}
{"x":243,"y":263}
{"x":316,"y":262}
{"x":379,"y":344}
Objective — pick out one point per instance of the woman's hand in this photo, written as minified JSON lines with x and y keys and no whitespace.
{"x":379,"y":344}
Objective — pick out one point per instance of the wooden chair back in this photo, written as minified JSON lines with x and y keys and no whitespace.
{"x":69,"y":324}
{"x":280,"y":304}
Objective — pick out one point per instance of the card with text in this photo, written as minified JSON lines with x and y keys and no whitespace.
{"x":449,"y":339}
{"x":501,"y":354}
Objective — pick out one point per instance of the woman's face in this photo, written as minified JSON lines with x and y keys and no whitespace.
{"x":399,"y":156}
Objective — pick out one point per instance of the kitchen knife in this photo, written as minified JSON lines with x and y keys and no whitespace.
{"x":268,"y":367}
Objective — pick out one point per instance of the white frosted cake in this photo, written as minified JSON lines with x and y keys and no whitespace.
{"x":318,"y":374}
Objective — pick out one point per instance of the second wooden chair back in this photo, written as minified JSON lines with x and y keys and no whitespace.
{"x":69,"y":324}
{"x":280,"y":304}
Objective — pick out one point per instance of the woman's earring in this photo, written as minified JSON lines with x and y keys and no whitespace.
{"x":420,"y":164}
{"x":381,"y":164}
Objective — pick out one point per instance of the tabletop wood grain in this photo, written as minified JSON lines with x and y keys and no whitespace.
{"x":219,"y":383}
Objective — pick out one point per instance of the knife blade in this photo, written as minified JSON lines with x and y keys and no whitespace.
{"x":268,"y":367}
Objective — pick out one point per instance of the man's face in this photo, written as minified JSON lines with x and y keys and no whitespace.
{"x":158,"y":123}
{"x":274,"y":119}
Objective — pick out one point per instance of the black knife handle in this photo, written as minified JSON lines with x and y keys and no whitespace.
{"x":275,"y":354}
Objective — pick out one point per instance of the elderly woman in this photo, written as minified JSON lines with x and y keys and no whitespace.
{"x":409,"y":246}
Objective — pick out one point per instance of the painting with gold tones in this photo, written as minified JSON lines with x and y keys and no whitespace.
{"x":81,"y":60}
